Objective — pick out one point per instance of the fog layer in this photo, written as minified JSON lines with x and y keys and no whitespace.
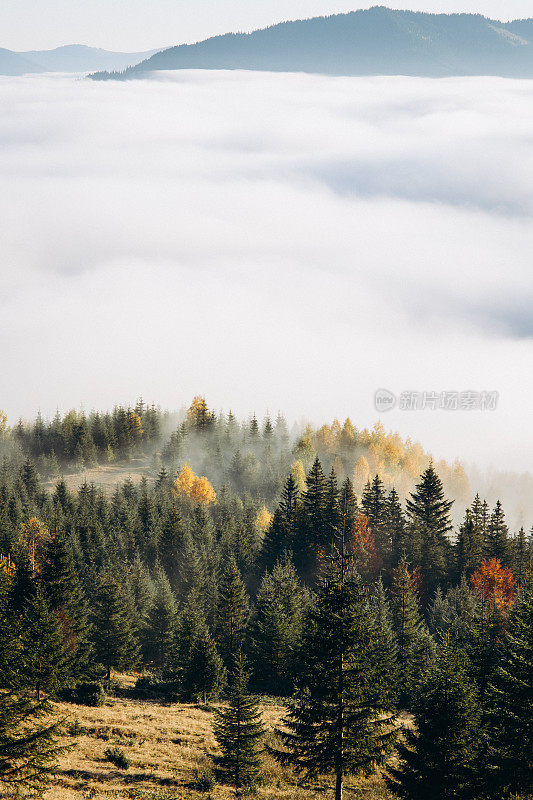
{"x":273,"y":242}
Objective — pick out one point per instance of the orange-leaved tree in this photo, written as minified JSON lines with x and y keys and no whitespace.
{"x":494,"y":584}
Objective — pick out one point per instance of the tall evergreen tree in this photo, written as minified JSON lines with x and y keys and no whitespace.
{"x":394,"y":522}
{"x":282,"y":531}
{"x":414,"y":643}
{"x":497,"y":544}
{"x":233,"y":613}
{"x":160,"y":623}
{"x":276,"y":628}
{"x":440,"y":758}
{"x":338,"y":721}
{"x":239,"y":732}
{"x":44,"y":662}
{"x":374,"y":505}
{"x":114,"y":638}
{"x":386,"y":644}
{"x":469,"y":546}
{"x":66,"y":598}
{"x":429,"y":511}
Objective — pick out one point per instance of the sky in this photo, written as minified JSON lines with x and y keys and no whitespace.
{"x":137,"y":25}
{"x":274,"y":242}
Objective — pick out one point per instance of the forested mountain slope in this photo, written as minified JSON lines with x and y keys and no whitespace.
{"x":377,"y":41}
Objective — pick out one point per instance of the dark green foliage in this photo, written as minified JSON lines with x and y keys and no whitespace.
{"x":28,"y":743}
{"x":90,"y":693}
{"x":239,"y":733}
{"x":43,"y":652}
{"x":375,"y":507}
{"x":160,"y":624}
{"x":276,"y":629}
{"x":338,"y":721}
{"x":429,"y":512}
{"x":66,"y":598}
{"x":113,"y":621}
{"x":497,"y":544}
{"x":281,"y":535}
{"x":233,"y":613}
{"x":414,"y":643}
{"x":510,"y":706}
{"x":386,"y":645}
{"x":439,"y":759}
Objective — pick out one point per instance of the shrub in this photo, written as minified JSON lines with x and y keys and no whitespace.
{"x":118,"y":757}
{"x":90,"y":694}
{"x":204,"y":781}
{"x":75,"y":728}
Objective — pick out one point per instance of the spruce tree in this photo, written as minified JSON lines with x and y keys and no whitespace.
{"x":440,"y":758}
{"x":386,"y":644}
{"x":338,"y":722}
{"x":375,"y":508}
{"x":114,"y":638}
{"x":497,"y":544}
{"x":65,"y":596}
{"x":276,"y":629}
{"x":44,"y":664}
{"x":394,"y":522}
{"x":205,"y":674}
{"x":239,"y":732}
{"x":233,"y":612}
{"x":281,"y":534}
{"x":414,"y":643}
{"x":429,"y":511}
{"x":160,"y":623}
{"x":510,"y":706}
{"x":314,"y":534}
{"x":29,"y":744}
{"x":469,"y":546}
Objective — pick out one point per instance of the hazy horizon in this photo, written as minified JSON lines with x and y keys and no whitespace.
{"x":163,"y":23}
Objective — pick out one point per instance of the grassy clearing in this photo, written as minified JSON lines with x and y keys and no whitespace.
{"x":107,"y":476}
{"x":168,"y":747}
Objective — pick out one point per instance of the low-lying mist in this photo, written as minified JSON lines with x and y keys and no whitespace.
{"x":273,"y":242}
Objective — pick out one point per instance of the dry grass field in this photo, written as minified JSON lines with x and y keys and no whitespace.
{"x":168,"y":746}
{"x":107,"y":475}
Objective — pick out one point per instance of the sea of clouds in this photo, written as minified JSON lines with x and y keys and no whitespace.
{"x":288,"y":242}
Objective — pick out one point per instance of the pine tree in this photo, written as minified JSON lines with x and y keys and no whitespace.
{"x":44,"y":663}
{"x":276,"y":628}
{"x":469,"y":546}
{"x":29,"y":744}
{"x":386,"y":644}
{"x":314,"y":535}
{"x":160,"y":623}
{"x":114,"y":639}
{"x":65,"y":596}
{"x":394,"y":522}
{"x":194,"y":664}
{"x":374,"y":506}
{"x":510,"y":704}
{"x":338,"y":721}
{"x":429,"y":511}
{"x":520,"y":557}
{"x":497,"y":544}
{"x":239,"y":732}
{"x":281,"y":534}
{"x":233,"y":612}
{"x":440,"y":758}
{"x":414,"y":644}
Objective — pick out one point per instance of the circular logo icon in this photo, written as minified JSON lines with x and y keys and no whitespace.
{"x":384,"y":400}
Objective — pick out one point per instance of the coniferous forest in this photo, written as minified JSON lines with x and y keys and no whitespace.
{"x":326,"y":570}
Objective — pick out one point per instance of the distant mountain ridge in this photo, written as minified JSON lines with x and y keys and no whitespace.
{"x":69,"y":58}
{"x":377,"y":41}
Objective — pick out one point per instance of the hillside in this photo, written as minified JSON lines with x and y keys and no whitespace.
{"x":15,"y":64}
{"x":69,"y":58}
{"x":370,"y":42}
